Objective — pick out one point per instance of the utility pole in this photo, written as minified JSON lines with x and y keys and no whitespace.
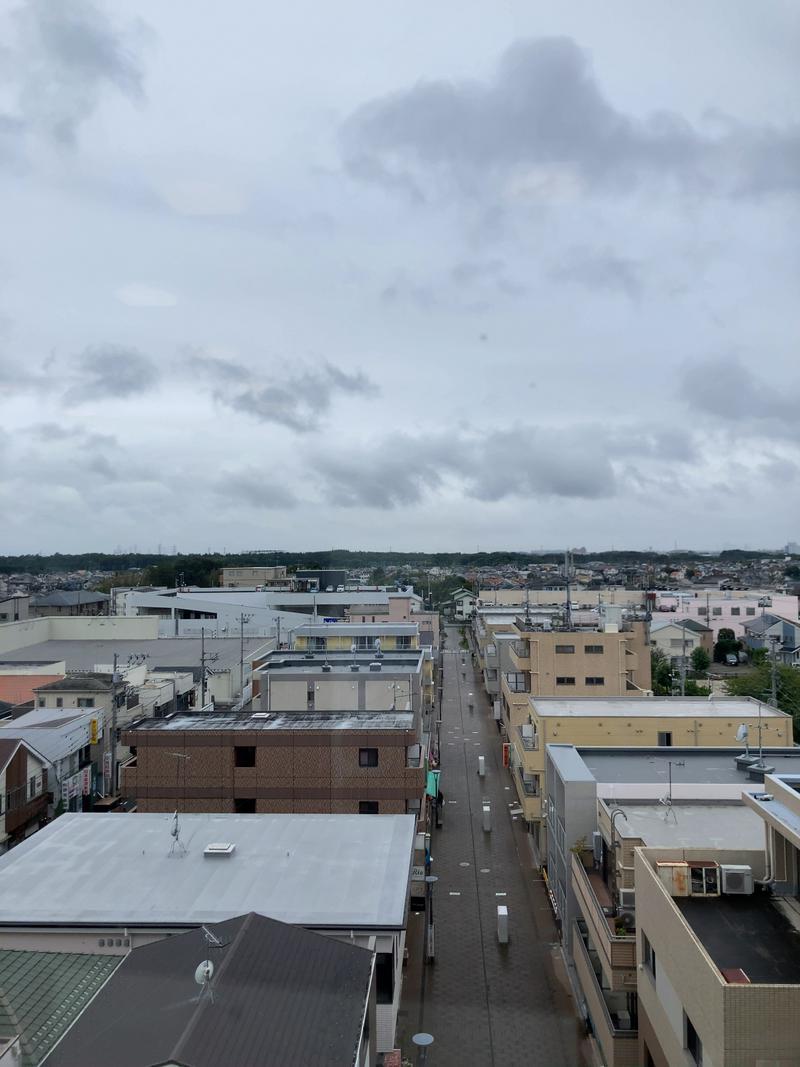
{"x":202,"y":667}
{"x":113,"y":728}
{"x":773,"y":699}
{"x":683,"y":660}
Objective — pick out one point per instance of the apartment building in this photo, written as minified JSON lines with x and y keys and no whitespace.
{"x":643,"y":722}
{"x":249,"y":577}
{"x":726,"y":610}
{"x":718,"y":945}
{"x":365,"y":637}
{"x":610,"y":661}
{"x":344,"y":763}
{"x":603,"y":805}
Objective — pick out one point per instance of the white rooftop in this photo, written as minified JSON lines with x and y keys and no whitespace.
{"x":653,"y":707}
{"x":723,"y":825}
{"x":348,"y":871}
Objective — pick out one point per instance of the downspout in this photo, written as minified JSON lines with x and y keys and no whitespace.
{"x":770,"y":875}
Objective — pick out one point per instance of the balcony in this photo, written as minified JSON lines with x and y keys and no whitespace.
{"x":18,"y":816}
{"x":617,"y":952}
{"x":608,"y":1011}
{"x":518,"y":682}
{"x":521,"y":654}
{"x":529,"y":797}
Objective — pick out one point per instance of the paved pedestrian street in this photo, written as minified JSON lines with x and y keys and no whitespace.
{"x":485,"y":1003}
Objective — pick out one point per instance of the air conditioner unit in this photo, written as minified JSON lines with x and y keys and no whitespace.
{"x":675,"y":876}
{"x":703,"y":880}
{"x":623,"y":1020}
{"x":627,"y":899}
{"x":597,"y":846}
{"x":737,"y":879}
{"x":527,"y":731}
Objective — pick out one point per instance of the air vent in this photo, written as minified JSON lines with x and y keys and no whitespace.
{"x":219,"y":848}
{"x":326,"y":668}
{"x":374,"y":666}
{"x":353,"y":666}
{"x":261,"y":715}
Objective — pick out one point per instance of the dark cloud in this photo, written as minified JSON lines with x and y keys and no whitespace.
{"x":111,"y":372}
{"x":543,"y":119}
{"x":725,"y":388}
{"x":299,"y":402}
{"x":250,"y":488}
{"x":64,"y":58}
{"x":602,"y":271}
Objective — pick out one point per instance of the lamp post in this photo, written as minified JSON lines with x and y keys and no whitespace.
{"x":423,"y":1043}
{"x":430,"y":882}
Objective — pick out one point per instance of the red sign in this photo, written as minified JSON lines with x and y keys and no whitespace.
{"x":506,"y":753}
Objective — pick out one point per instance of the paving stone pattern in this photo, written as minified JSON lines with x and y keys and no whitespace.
{"x":485,"y":1003}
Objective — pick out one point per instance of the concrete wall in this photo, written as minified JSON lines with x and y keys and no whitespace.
{"x":16,"y":635}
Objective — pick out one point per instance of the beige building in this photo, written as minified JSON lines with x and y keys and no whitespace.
{"x":718,"y":946}
{"x":247,"y":577}
{"x":682,"y":722}
{"x":677,"y":638}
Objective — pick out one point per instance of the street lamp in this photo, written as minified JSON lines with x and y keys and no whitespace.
{"x":430,"y":882}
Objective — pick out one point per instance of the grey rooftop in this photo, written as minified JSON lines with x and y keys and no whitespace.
{"x":164,"y":653}
{"x":734,"y":708}
{"x":281,"y":720}
{"x":325,"y":871}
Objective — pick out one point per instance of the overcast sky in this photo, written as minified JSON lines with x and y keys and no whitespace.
{"x":420,"y":276}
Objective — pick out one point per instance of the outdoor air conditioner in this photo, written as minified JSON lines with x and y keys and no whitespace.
{"x":675,"y":876}
{"x":597,"y":846}
{"x":527,"y":731}
{"x":627,"y":899}
{"x":737,"y":879}
{"x":623,"y":1020}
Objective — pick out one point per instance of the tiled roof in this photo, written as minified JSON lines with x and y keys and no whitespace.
{"x":42,"y":993}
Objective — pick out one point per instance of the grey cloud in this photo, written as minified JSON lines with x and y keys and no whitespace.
{"x":299,"y":402}
{"x":214,"y":368}
{"x":602,"y":270}
{"x":249,"y":488}
{"x":727,"y":389}
{"x":111,"y":372}
{"x":544,"y":118}
{"x":65,"y":57}
{"x":522,"y":463}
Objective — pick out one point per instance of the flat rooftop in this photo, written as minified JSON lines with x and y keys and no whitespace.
{"x":747,"y":932}
{"x":718,"y":825}
{"x":689,"y":765}
{"x":279,"y":720}
{"x":163,"y":653}
{"x":734,"y":708}
{"x":325,"y":871}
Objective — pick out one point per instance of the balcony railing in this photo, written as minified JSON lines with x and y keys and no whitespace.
{"x":530,"y":789}
{"x":617,"y":951}
{"x":521,"y":649}
{"x":619,"y":1045}
{"x":518,"y":683}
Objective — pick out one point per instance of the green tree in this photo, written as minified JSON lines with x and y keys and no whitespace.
{"x":726,"y":644}
{"x":701,"y":660}
{"x":661,"y":673}
{"x":692,"y":689}
{"x":757,"y":683}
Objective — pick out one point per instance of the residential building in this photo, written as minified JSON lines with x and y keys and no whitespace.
{"x":680,"y":722}
{"x":70,"y":602}
{"x":463,"y":601}
{"x":18,"y":682}
{"x":69,"y":739}
{"x":678,"y":639}
{"x":340,"y":762}
{"x":666,"y":798}
{"x":777,"y":635}
{"x":249,"y":577}
{"x":345,"y":876}
{"x":275,"y":994}
{"x":77,"y":690}
{"x":341,"y":637}
{"x":14,"y":607}
{"x":718,"y":945}
{"x":23,"y":790}
{"x":730,"y":610}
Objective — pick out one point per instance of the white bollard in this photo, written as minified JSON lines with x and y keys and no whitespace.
{"x":502,"y":924}
{"x":481,"y":766}
{"x":487,"y":817}
{"x":470,"y":700}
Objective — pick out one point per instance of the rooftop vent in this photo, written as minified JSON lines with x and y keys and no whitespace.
{"x":261,"y":715}
{"x":219,"y":848}
{"x":374,"y":666}
{"x":353,"y":666}
{"x":326,"y":667}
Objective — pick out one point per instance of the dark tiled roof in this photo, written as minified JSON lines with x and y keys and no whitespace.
{"x":282,"y":997}
{"x":68,"y":598}
{"x":75,"y":683}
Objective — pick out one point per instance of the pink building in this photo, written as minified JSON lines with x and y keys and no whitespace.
{"x":724,"y":610}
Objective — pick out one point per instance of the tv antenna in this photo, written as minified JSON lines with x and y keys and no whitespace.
{"x":175,"y":833}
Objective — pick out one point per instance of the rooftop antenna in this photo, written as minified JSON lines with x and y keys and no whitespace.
{"x":378,"y":653}
{"x":175,"y":833}
{"x":203,"y":974}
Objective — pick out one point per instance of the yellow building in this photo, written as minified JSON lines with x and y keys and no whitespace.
{"x":689,"y":722}
{"x":340,"y":637}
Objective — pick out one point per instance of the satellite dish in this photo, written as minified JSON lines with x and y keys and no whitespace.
{"x":743,"y":732}
{"x":204,"y":972}
{"x":377,"y":644}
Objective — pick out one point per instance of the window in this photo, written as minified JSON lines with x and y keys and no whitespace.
{"x":565,"y":650}
{"x":736,"y":611}
{"x":85,"y":702}
{"x":311,"y":695}
{"x":716,"y":611}
{"x":665,"y":738}
{"x":648,"y":956}
{"x":384,"y":977}
{"x":368,"y":807}
{"x":702,"y":611}
{"x":404,"y":642}
{"x":593,"y":650}
{"x":244,"y":805}
{"x":59,"y":702}
{"x":676,"y":642}
{"x":244,"y":755}
{"x":32,"y":788}
{"x":595,"y":680}
{"x":565,"y":681}
{"x":749,"y":611}
{"x":692,"y":1043}
{"x":41,"y":702}
{"x":368,"y":757}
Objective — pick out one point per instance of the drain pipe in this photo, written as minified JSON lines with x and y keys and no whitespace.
{"x":769,"y":879}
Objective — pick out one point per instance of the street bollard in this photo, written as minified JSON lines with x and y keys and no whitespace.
{"x":502,"y":924}
{"x":487,"y":817}
{"x":481,"y":766}
{"x":470,"y":700}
